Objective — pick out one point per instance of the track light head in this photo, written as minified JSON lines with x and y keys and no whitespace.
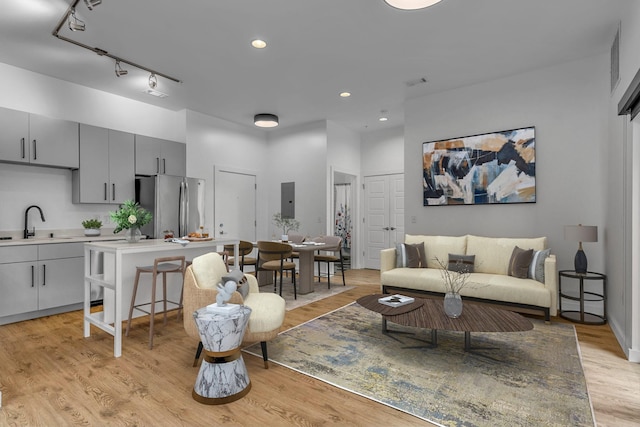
{"x":75,"y":23}
{"x":120,"y":71}
{"x":153,"y":81}
{"x":92,"y":3}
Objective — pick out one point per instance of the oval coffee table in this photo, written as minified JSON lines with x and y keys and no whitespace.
{"x":429,"y":314}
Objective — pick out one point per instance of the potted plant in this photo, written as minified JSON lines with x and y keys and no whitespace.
{"x":92,"y":227}
{"x":286,"y":224}
{"x":130,"y":217}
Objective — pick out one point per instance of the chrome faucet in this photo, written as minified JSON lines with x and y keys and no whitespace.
{"x":28,"y":233}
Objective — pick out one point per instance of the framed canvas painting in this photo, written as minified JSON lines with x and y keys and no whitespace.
{"x":491,"y":168}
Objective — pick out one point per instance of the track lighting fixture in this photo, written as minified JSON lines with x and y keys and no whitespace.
{"x":153,"y":81}
{"x":92,"y":3}
{"x":75,"y":24}
{"x":265,"y":120}
{"x":119,"y":70}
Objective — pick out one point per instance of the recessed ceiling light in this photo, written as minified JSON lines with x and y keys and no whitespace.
{"x":154,"y":92}
{"x":259,"y":44}
{"x":383,"y":119}
{"x":411,"y":4}
{"x":345,"y":94}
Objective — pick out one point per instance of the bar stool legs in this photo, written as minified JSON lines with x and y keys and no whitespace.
{"x":164,"y":266}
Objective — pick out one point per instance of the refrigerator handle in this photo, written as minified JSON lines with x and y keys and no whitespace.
{"x":185,"y":205}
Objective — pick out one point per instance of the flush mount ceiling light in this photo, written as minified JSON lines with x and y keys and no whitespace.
{"x":258,"y":44}
{"x":75,"y":23}
{"x":265,"y":120}
{"x":345,"y":94}
{"x":120,"y":71}
{"x":411,"y":4}
{"x":92,"y":3}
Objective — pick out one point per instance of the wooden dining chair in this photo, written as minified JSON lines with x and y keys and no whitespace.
{"x":244,"y":248}
{"x":331,"y":253}
{"x":273,"y":256}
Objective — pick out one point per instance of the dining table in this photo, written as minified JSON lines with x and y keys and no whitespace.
{"x":306,"y":275}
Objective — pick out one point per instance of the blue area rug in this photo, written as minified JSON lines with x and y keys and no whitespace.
{"x":532,"y":378}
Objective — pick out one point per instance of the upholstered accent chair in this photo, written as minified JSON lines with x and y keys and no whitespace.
{"x":267,"y":309}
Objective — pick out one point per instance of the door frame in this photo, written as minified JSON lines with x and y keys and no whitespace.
{"x":355,"y":211}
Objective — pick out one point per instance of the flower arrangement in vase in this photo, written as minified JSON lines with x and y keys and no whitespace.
{"x":286,"y":224}
{"x":454,"y":280}
{"x":130,"y":217}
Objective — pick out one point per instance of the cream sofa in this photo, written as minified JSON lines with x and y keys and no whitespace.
{"x":488,"y":283}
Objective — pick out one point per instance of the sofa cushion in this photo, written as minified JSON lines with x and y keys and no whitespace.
{"x":461,"y":263}
{"x":439,"y":247}
{"x":493,"y":254}
{"x":409,"y":255}
{"x":520,"y":262}
{"x":536,"y":269}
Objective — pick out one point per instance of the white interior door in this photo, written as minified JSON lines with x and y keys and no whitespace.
{"x":235,"y":205}
{"x":384,"y":215}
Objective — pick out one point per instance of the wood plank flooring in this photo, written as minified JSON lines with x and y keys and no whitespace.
{"x":51,"y":376}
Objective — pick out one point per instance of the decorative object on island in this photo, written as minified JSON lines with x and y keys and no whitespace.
{"x":92,"y":227}
{"x":286,"y":224}
{"x":580,"y":233}
{"x":455,"y":274}
{"x":130,"y":217}
{"x":492,"y":168}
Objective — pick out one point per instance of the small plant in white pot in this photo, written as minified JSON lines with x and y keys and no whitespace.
{"x":92,"y":227}
{"x":286,"y":224}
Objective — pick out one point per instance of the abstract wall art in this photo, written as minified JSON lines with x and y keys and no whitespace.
{"x":490,"y":168}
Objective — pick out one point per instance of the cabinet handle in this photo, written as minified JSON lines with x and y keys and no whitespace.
{"x":22,"y":148}
{"x":105,"y":191}
{"x":33,"y":275}
{"x":35,"y":150}
{"x":386,"y":228}
{"x":113,"y":192}
{"x":392,"y":228}
{"x":164,"y":165}
{"x":157,"y":164}
{"x":44,"y":274}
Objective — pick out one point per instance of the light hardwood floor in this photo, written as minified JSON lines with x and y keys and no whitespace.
{"x":51,"y":376}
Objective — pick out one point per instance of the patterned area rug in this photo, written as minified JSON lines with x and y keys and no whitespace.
{"x":320,"y":291}
{"x":532,"y":378}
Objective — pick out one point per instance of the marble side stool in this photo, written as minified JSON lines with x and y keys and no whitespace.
{"x":223,"y":376}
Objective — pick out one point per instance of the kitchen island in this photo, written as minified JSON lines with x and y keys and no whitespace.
{"x":116,"y":275}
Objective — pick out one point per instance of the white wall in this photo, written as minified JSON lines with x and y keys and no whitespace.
{"x":216,"y":142}
{"x":565,"y":104}
{"x":382,"y":152}
{"x":299,"y":155}
{"x":21,"y":185}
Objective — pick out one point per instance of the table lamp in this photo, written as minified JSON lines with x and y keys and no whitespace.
{"x":580,"y":233}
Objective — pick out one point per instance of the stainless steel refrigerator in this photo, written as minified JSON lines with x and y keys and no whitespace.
{"x":176,"y":202}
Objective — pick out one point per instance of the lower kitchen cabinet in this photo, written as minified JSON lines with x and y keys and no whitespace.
{"x":39,"y":280}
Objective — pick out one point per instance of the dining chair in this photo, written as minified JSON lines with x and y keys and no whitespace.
{"x":273,"y":256}
{"x":244,"y":248}
{"x":331,"y":253}
{"x":296,"y":239}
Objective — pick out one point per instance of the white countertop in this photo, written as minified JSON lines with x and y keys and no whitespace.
{"x":60,"y":239}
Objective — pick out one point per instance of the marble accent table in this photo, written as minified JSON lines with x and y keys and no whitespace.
{"x":223,"y":376}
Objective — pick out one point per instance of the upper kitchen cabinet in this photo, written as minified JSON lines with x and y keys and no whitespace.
{"x":156,"y":156}
{"x":106,"y":173}
{"x":38,"y":140}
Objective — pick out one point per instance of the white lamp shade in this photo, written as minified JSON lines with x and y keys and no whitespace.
{"x":581,"y":233}
{"x":411,"y":4}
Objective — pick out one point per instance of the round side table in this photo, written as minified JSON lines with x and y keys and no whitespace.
{"x":579,"y":294}
{"x":223,"y":376}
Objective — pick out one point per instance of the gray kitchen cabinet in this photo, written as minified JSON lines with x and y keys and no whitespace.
{"x":106,"y":173}
{"x":156,"y":156}
{"x":39,"y":280}
{"x":38,"y":140}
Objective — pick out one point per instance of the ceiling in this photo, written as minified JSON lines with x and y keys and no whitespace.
{"x":316,"y":49}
